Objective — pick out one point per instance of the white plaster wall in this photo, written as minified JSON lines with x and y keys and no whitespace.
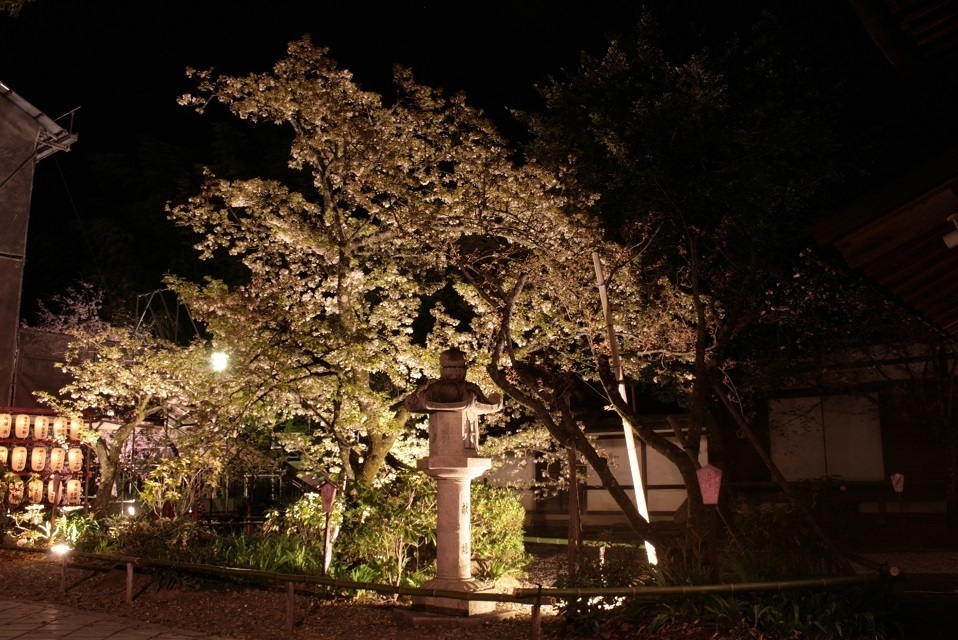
{"x":815,"y":437}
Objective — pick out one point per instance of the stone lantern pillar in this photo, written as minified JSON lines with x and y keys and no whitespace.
{"x":454,"y":407}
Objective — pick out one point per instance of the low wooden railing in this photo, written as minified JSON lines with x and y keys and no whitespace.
{"x":533,"y":597}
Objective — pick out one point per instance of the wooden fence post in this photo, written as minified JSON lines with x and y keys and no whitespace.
{"x":129,"y":582}
{"x":537,"y":617}
{"x":290,"y":604}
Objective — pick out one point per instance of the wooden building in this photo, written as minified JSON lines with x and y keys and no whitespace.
{"x":27,"y":136}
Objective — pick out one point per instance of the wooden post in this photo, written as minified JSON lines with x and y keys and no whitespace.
{"x":537,"y":617}
{"x":575,"y":519}
{"x":290,"y":606}
{"x":901,"y":516}
{"x":56,"y":499}
{"x":713,"y":544}
{"x":327,"y":547}
{"x":898,"y":484}
{"x":129,"y":582}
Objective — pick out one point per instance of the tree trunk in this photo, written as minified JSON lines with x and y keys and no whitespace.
{"x":951,"y":475}
{"x":380,"y":444}
{"x":572,"y":435}
{"x":108,"y":456}
{"x":106,"y":482}
{"x":673,"y":453}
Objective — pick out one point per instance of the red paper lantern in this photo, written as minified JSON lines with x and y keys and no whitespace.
{"x":710,"y":482}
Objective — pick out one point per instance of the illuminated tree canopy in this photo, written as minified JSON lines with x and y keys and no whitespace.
{"x":341,"y":301}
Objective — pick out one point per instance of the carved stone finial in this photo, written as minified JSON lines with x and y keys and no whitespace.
{"x":452,"y":365}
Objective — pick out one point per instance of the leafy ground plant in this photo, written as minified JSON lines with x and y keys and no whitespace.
{"x":810,"y":613}
{"x":276,"y":552}
{"x":391,"y":530}
{"x":497,"y":531}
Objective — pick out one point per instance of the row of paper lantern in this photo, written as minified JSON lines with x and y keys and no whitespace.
{"x":38,"y":458}
{"x":34,"y":489}
{"x":43,"y":427}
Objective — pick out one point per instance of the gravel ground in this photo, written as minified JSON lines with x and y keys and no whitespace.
{"x":918,"y":562}
{"x":240,"y":611}
{"x":246,"y":612}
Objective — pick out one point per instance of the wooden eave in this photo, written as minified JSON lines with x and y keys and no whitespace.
{"x":51,"y":136}
{"x":916,"y":36}
{"x":895,"y":235}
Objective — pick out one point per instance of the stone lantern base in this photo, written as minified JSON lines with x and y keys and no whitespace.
{"x":453,"y":606}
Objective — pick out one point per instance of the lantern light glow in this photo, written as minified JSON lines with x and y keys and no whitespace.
{"x":219,"y":360}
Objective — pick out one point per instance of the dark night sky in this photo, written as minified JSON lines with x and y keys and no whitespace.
{"x":122,"y":62}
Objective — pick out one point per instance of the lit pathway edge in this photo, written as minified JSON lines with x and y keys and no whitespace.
{"x":31,"y":621}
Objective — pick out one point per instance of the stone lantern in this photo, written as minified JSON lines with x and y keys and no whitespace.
{"x":454,"y":406}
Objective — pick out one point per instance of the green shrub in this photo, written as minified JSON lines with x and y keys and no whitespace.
{"x":497,"y":530}
{"x":81,"y":530}
{"x":32,"y":527}
{"x":620,"y":566}
{"x":303,"y":518}
{"x":811,"y":613}
{"x":181,"y":539}
{"x":391,"y":530}
{"x":775,"y":542}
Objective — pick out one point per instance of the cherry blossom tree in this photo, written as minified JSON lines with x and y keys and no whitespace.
{"x":124,"y":382}
{"x":410,"y":206}
{"x":345,"y":268}
{"x":13,"y":7}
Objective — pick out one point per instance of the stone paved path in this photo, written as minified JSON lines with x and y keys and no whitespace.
{"x":28,"y":621}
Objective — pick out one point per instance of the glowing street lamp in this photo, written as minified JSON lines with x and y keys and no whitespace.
{"x":219,"y":360}
{"x":62,"y":550}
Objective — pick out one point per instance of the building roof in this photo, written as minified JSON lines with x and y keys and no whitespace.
{"x":895,"y":235}
{"x":916,"y":36}
{"x":53,"y":137}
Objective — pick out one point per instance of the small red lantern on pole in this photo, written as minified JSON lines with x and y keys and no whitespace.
{"x":898,"y":484}
{"x":710,"y":484}
{"x":328,"y":491}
